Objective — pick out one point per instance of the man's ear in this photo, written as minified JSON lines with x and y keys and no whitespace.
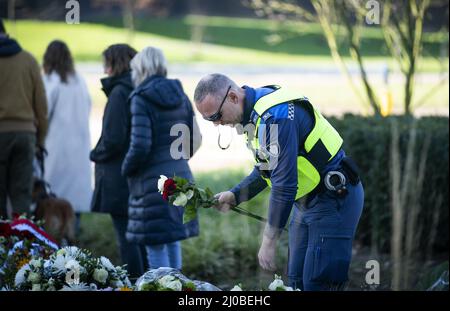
{"x":234,"y":97}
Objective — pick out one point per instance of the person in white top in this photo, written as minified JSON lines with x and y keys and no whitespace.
{"x":67,"y":166}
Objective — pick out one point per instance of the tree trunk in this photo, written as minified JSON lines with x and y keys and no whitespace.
{"x":128,"y":18}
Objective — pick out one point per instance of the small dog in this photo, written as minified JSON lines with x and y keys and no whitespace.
{"x":58,"y":214}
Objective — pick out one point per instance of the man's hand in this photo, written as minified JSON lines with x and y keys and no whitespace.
{"x":266,"y":254}
{"x":226,"y":201}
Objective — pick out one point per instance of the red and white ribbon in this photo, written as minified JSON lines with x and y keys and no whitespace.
{"x":41,"y":235}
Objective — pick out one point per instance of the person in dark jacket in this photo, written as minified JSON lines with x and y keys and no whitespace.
{"x":111,"y":188}
{"x":157,"y":104}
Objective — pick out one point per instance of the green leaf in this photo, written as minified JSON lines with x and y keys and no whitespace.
{"x":203,"y":194}
{"x":190,"y":213}
{"x":209,"y":193}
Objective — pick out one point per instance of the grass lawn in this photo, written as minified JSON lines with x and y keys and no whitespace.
{"x":224,"y":40}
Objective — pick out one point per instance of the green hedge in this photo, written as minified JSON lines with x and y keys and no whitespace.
{"x":368,"y":141}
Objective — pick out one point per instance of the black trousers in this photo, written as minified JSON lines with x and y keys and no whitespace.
{"x":17,"y":151}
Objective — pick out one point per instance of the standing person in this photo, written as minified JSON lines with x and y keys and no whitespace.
{"x":67,"y":166}
{"x":111,"y":188}
{"x":157,"y":104}
{"x":299,"y":154}
{"x":23,"y":123}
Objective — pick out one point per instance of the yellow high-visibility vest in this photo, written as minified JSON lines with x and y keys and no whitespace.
{"x":321,"y":144}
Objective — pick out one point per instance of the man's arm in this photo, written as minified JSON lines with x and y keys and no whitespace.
{"x":249,"y":187}
{"x":283,"y":176}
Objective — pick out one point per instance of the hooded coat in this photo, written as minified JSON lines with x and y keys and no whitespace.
{"x":111,"y":188}
{"x":156,"y":106}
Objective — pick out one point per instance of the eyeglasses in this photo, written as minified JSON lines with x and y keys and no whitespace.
{"x":216,"y":116}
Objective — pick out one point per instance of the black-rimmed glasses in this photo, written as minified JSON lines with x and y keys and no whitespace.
{"x":216,"y":116}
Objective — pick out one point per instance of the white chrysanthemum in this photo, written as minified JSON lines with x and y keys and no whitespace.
{"x":107,"y":263}
{"x":59,"y":264}
{"x":100,"y":275}
{"x":181,"y":200}
{"x":236,"y":288}
{"x":36,"y":288}
{"x":81,"y":287}
{"x":74,"y":252}
{"x":162,"y":179}
{"x":20,"y":275}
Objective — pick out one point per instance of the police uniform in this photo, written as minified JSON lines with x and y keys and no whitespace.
{"x":299,"y":155}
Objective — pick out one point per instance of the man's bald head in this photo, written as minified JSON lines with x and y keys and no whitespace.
{"x":215,"y":84}
{"x":212,"y":90}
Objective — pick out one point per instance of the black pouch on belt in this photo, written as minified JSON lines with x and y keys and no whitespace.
{"x":351,"y":169}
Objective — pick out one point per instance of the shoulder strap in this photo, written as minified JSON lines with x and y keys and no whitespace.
{"x":279,"y":96}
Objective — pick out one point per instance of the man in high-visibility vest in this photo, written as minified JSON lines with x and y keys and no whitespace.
{"x":300,"y":156}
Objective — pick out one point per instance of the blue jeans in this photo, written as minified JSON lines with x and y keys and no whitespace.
{"x":164,"y":255}
{"x":132,"y":254}
{"x":320,"y":239}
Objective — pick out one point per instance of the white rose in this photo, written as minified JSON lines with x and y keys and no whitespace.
{"x":175,"y":285}
{"x":189,"y":194}
{"x":34,"y":278}
{"x":181,"y":200}
{"x":236,"y":288}
{"x":36,"y":288}
{"x":100,"y":275}
{"x":162,"y":179}
{"x":166,"y":280}
{"x":276,"y":284}
{"x":288,"y":288}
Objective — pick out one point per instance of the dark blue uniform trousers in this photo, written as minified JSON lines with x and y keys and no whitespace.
{"x":320,"y":239}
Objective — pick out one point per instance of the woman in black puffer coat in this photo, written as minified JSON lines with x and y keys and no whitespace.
{"x":111,"y":189}
{"x":157,"y":104}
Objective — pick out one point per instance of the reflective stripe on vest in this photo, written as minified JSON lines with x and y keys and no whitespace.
{"x":321,"y":144}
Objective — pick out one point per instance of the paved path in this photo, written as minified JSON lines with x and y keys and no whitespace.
{"x":325,"y":85}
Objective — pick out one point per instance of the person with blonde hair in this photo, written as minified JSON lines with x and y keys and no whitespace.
{"x":157,"y":104}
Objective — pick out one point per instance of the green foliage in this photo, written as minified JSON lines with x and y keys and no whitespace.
{"x":368,"y":142}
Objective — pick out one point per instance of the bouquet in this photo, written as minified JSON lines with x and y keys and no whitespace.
{"x":167,"y":283}
{"x":169,"y":279}
{"x":71,"y":269}
{"x":21,"y":239}
{"x":181,"y":192}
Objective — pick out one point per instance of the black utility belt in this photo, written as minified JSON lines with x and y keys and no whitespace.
{"x":337,"y":180}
